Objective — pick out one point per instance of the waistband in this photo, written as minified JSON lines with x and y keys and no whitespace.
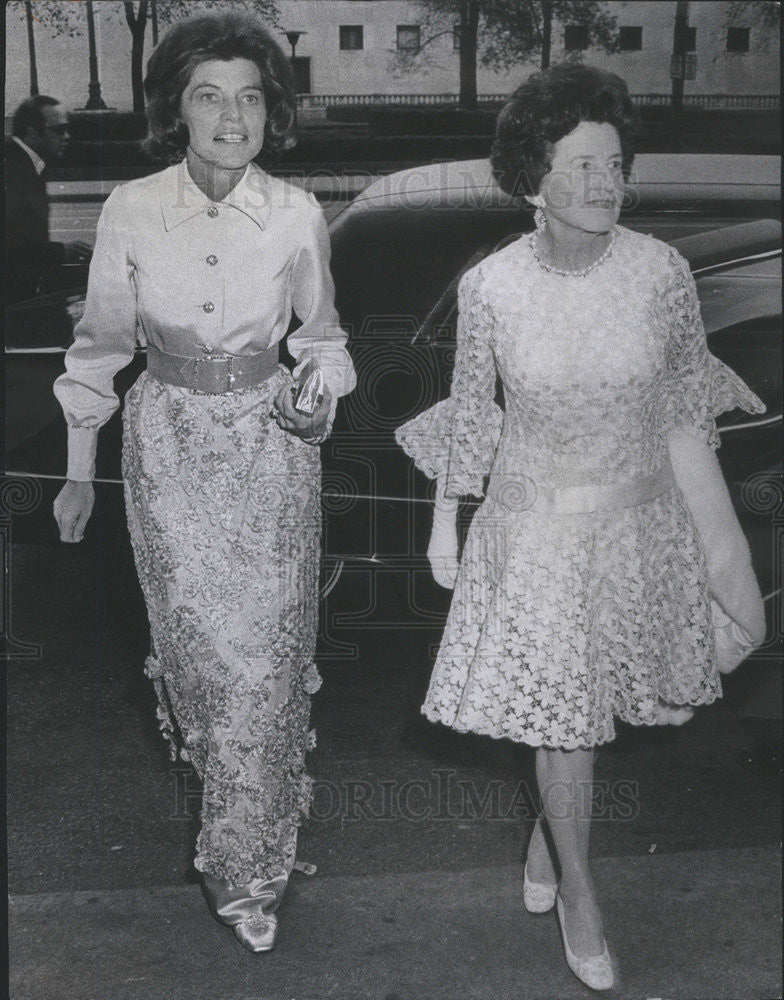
{"x":215,"y":374}
{"x":521,"y":493}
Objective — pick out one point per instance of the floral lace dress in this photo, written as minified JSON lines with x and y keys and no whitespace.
{"x":561,"y":621}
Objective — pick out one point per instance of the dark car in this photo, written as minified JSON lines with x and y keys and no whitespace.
{"x":399,"y":249}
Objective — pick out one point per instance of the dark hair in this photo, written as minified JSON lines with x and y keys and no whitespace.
{"x":550,"y":105}
{"x":223,"y":36}
{"x":30,"y":114}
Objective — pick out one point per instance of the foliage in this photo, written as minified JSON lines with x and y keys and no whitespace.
{"x":170,"y":11}
{"x":513,"y":32}
{"x":764,"y":15}
{"x":69,"y":17}
{"x":61,"y":17}
{"x":510,"y":31}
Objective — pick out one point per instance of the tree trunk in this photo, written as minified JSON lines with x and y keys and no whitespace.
{"x":138,"y":25}
{"x":31,"y":47}
{"x":679,"y":52}
{"x":469,"y":31}
{"x":547,"y":31}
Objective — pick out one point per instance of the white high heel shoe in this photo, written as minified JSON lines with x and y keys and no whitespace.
{"x":596,"y":970}
{"x":538,"y":897}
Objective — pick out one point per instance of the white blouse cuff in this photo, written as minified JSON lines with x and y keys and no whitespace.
{"x":82,"y":446}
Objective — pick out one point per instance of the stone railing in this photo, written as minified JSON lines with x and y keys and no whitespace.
{"x":745,"y":102}
{"x":727,"y":101}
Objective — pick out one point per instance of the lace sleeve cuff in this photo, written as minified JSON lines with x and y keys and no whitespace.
{"x":700,"y":399}
{"x":441,"y":446}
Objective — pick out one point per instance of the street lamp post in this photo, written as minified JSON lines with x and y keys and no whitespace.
{"x":31,"y":47}
{"x":94,"y":100}
{"x":293,"y":37}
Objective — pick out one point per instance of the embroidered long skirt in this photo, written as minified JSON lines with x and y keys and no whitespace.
{"x":224,"y":515}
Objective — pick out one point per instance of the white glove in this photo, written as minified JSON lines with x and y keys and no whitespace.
{"x":731,"y":579}
{"x":442,"y":550}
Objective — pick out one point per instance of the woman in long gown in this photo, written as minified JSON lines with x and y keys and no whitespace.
{"x":204,"y":263}
{"x":584,"y":589}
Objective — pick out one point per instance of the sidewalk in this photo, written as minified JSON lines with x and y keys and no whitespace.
{"x":687,"y":926}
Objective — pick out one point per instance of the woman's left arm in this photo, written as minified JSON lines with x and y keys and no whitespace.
{"x":698,"y":388}
{"x":320,"y":342}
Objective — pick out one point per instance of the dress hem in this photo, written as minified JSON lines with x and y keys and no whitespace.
{"x":493,"y":733}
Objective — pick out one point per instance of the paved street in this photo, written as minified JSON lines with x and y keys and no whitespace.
{"x":417,"y":832}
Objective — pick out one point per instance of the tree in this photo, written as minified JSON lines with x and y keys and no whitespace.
{"x":519,"y":30}
{"x":764,"y":15}
{"x":67,"y":17}
{"x":60,"y":18}
{"x":504,"y":33}
{"x":166,"y":12}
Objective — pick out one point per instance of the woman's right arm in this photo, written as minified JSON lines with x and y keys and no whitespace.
{"x":454,"y":442}
{"x":104,"y":342}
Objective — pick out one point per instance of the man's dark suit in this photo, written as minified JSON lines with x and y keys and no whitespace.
{"x":29,"y":254}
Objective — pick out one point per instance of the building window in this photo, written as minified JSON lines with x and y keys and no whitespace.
{"x":575,"y":37}
{"x":351,"y":37}
{"x":691,"y":39}
{"x":456,"y":38}
{"x":408,"y":36}
{"x":630,"y":39}
{"x":737,"y":39}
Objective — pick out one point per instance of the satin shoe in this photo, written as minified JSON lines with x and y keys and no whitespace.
{"x":248,"y":909}
{"x":257,"y":932}
{"x":595,"y":971}
{"x":538,"y":897}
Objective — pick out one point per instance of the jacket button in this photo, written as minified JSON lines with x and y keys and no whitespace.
{"x":212,"y":260}
{"x":212,"y":211}
{"x":208,"y":307}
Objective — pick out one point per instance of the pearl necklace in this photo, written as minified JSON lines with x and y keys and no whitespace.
{"x":534,"y":243}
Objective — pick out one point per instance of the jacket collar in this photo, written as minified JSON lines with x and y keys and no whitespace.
{"x":38,"y":163}
{"x":181,"y":199}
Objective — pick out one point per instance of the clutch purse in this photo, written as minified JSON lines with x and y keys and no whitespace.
{"x":310,"y":394}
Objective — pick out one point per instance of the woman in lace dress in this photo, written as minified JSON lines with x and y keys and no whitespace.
{"x":204,"y":263}
{"x":583,"y":592}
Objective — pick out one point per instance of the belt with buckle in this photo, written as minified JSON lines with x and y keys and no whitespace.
{"x":215,"y":374}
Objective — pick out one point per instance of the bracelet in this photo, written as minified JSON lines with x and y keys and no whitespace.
{"x":319,"y":438}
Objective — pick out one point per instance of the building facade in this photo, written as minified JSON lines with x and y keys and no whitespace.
{"x":351,"y":51}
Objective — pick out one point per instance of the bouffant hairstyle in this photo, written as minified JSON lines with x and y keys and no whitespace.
{"x":548,"y":106}
{"x":223,"y":36}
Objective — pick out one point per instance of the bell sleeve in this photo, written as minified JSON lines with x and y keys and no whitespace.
{"x":456,"y":439}
{"x":320,"y":341}
{"x":104,"y":340}
{"x":698,"y":387}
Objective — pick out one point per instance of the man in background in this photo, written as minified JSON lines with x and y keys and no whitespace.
{"x":40,"y":136}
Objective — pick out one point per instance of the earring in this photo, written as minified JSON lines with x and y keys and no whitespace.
{"x":540,"y":220}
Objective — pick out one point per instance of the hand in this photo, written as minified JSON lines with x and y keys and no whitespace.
{"x":304,"y":426}
{"x":442,"y":550}
{"x":72,"y":509}
{"x":77,"y":253}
